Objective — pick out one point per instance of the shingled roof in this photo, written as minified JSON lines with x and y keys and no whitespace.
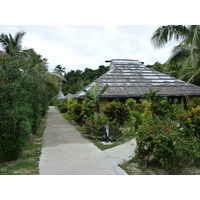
{"x":130,"y":78}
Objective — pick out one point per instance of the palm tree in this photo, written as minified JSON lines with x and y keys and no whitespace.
{"x":59,"y":70}
{"x":186,"y":53}
{"x":55,"y":80}
{"x":37,"y":66}
{"x":12,"y":45}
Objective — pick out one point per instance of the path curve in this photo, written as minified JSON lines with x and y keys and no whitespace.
{"x":66,"y":152}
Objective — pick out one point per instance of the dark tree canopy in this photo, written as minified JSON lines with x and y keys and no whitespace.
{"x":79,"y":79}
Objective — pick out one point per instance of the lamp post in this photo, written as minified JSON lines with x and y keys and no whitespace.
{"x":107,"y":142}
{"x":107,"y":133}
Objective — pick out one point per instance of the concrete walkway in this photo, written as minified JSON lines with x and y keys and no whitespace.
{"x":66,"y":152}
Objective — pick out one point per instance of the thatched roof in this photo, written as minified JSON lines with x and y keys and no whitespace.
{"x":130,"y":78}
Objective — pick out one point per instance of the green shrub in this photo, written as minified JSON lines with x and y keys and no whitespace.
{"x":165,"y":143}
{"x":95,"y":127}
{"x":114,"y":130}
{"x":88,"y":109}
{"x":131,"y":103}
{"x":37,"y":97}
{"x":135,"y":117}
{"x":192,"y":103}
{"x":63,"y":108}
{"x":190,"y":122}
{"x":117,"y":111}
{"x":61,"y":105}
{"x":75,"y":110}
{"x":15,"y":124}
{"x":24,"y":99}
{"x":147,"y":113}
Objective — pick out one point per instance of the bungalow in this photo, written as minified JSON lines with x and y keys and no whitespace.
{"x":131,"y":79}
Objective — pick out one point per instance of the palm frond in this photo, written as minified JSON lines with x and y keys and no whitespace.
{"x":195,"y":77}
{"x":4,"y":41}
{"x":187,"y":70}
{"x":179,"y":54}
{"x":165,"y":34}
{"x":195,"y":44}
{"x":12,"y":45}
{"x":58,"y":76}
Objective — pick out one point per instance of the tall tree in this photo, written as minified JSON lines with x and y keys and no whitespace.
{"x":59,"y":70}
{"x":186,"y":53}
{"x":12,"y":45}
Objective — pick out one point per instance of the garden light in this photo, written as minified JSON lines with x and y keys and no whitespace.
{"x":107,"y":133}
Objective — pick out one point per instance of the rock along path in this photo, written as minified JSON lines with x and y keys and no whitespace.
{"x":66,"y":152}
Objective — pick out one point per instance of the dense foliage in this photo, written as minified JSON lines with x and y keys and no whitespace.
{"x":24,"y":95}
{"x":169,"y":136}
{"x":95,"y":127}
{"x":75,"y":110}
{"x":162,"y":141}
{"x":76,"y":80}
{"x":118,"y":111}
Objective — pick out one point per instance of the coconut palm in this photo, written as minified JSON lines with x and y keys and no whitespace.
{"x":12,"y":45}
{"x":55,"y":80}
{"x":59,"y":70}
{"x":186,"y":53}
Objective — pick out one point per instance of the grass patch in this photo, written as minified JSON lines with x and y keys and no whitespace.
{"x":102,"y":146}
{"x":28,"y":163}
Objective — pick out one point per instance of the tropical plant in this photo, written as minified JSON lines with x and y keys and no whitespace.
{"x":95,"y":95}
{"x":12,"y":45}
{"x":88,"y":109}
{"x":59,"y":70}
{"x":24,"y":96}
{"x":163,"y":142}
{"x":15,"y":121}
{"x":151,"y":95}
{"x":54,"y":81}
{"x":186,"y":53}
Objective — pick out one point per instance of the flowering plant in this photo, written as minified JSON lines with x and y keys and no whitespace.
{"x":164,"y":142}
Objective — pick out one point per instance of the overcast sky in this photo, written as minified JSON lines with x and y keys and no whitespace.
{"x":80,"y":46}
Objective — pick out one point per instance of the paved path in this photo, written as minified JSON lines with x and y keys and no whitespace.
{"x":66,"y":152}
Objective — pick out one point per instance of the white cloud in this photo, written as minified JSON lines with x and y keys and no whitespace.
{"x":78,"y":47}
